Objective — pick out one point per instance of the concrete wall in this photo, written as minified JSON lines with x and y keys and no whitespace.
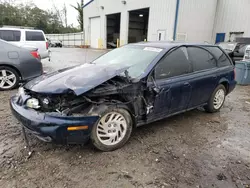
{"x":196,"y":19}
{"x":232,"y":16}
{"x":161,"y":17}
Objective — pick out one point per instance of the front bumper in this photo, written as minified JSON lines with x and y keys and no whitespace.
{"x":51,"y":127}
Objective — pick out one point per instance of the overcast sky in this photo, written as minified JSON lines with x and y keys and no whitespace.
{"x":48,"y":4}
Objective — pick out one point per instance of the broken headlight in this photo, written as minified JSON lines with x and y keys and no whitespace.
{"x":33,"y":103}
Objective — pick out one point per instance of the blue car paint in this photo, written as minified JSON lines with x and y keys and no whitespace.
{"x":178,"y":94}
{"x":45,"y":125}
{"x":79,"y":79}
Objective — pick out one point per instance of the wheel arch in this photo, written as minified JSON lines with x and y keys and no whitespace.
{"x":102,"y":107}
{"x":225,"y":83}
{"x":13,"y":67}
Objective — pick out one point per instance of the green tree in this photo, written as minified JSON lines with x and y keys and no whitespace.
{"x":79,"y":9}
{"x":30,"y":15}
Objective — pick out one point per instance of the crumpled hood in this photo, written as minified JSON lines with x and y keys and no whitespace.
{"x":79,"y":79}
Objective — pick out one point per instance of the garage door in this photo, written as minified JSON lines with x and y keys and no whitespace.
{"x":95,"y":27}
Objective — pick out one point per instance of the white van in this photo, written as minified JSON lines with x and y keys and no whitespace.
{"x":26,"y":37}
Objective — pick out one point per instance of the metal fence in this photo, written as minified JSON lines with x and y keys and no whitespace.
{"x":68,"y":39}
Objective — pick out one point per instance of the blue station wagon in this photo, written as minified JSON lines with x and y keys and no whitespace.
{"x":130,"y":86}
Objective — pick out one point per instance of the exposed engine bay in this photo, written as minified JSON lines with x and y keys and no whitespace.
{"x":116,"y":91}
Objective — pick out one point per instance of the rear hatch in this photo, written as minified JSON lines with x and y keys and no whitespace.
{"x":38,"y":40}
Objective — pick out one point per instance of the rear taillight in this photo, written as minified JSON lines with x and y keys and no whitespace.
{"x":47,"y":45}
{"x":35,"y":54}
{"x":234,"y":74}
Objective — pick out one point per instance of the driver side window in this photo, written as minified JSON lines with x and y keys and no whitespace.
{"x":173,"y":64}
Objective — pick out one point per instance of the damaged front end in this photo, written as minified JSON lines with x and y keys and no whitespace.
{"x":51,"y":116}
{"x":116,"y":91}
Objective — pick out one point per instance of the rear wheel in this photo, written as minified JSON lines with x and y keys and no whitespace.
{"x":112,"y":130}
{"x":216,"y":100}
{"x":9,"y":78}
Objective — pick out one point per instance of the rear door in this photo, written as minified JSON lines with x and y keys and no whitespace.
{"x":170,"y":76}
{"x":204,"y":79}
{"x":38,"y":40}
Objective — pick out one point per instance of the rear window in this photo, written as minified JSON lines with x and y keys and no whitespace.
{"x":220,"y":56}
{"x":10,"y":35}
{"x":34,"y":36}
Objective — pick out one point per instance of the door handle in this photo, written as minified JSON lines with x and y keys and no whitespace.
{"x":186,"y":84}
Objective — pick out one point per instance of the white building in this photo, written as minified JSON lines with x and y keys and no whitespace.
{"x":105,"y":21}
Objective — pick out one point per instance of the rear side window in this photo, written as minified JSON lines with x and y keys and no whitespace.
{"x":10,"y":35}
{"x":221,"y":57}
{"x":174,"y":64}
{"x":201,"y":59}
{"x":34,"y":36}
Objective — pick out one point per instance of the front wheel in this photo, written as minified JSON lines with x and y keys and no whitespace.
{"x":112,"y":130}
{"x":216,"y":100}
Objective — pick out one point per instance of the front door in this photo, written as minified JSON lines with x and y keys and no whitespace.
{"x":174,"y":90}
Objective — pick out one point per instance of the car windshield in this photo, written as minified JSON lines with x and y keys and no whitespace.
{"x":135,"y":57}
{"x":228,"y":46}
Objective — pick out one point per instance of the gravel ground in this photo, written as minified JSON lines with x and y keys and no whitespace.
{"x":194,"y":149}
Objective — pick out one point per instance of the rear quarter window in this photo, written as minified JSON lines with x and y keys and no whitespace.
{"x":10,"y":35}
{"x":221,"y":57}
{"x":34,"y":36}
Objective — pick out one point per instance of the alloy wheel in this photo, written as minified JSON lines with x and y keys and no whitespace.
{"x":7,"y":79}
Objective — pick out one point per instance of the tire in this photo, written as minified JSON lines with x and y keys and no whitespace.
{"x":119,"y":123}
{"x":214,"y":106}
{"x":8,"y":75}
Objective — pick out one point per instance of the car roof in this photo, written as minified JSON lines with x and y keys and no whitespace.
{"x":168,"y":44}
{"x":19,"y":29}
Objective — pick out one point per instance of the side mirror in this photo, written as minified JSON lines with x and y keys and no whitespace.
{"x":156,"y":90}
{"x":154,"y":87}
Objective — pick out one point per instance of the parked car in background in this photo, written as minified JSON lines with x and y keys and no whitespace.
{"x":235,"y":50}
{"x":18,"y":64}
{"x":26,"y":37}
{"x":130,"y":86}
{"x":55,"y":43}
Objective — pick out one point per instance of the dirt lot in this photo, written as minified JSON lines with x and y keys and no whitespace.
{"x":194,"y":149}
